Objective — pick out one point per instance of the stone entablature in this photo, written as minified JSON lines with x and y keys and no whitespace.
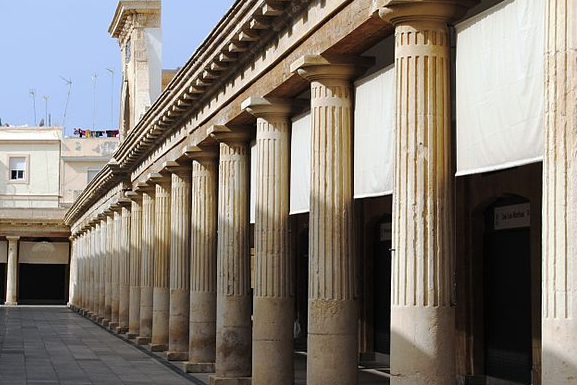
{"x":104,"y":204}
{"x":241,"y":55}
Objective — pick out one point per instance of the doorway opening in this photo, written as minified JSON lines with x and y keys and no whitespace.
{"x":382,"y":285}
{"x":507,"y":292}
{"x":42,"y":284}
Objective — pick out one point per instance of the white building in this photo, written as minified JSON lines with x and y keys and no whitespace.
{"x":41,"y":173}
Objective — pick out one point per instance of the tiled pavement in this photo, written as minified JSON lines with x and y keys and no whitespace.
{"x":54,"y":345}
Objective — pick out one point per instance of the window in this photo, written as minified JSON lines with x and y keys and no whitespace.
{"x":18,"y":168}
{"x":90,"y":174}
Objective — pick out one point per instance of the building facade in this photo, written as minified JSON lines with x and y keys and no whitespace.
{"x":41,"y":173}
{"x":383,"y":180}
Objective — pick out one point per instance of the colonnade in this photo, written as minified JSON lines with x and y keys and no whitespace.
{"x":169,"y":263}
{"x":193,"y":244}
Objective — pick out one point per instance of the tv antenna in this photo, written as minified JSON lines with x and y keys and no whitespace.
{"x":69,"y":84}
{"x":111,"y":72}
{"x":46,"y":98}
{"x":32,"y":93}
{"x":94,"y":82}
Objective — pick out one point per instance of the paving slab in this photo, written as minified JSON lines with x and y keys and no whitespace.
{"x":54,"y":345}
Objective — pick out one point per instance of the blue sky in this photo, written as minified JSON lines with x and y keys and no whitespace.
{"x":41,"y":40}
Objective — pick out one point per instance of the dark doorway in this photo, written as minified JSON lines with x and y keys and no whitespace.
{"x":2,"y":282}
{"x":507,"y":290}
{"x":301,"y":280}
{"x":41,"y":284}
{"x":382,"y":285}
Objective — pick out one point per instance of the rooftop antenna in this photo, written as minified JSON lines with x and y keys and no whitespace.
{"x":32,"y":93}
{"x":111,"y":72}
{"x":94,"y":81}
{"x":69,"y":84}
{"x":46,"y":98}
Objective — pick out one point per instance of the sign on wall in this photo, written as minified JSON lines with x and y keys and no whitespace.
{"x":512,"y":217}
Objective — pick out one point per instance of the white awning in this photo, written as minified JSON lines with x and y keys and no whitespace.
{"x":499,"y":94}
{"x":374,"y":134}
{"x":300,"y":163}
{"x":3,"y":251}
{"x":43,"y":253}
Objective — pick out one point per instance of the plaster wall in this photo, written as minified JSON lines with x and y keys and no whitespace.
{"x":75,"y":178}
{"x":42,"y":184}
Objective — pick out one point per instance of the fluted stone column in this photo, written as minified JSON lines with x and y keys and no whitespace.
{"x":135,"y":265}
{"x":73,"y":279}
{"x":102,"y":275}
{"x":147,"y":264}
{"x":115,"y":268}
{"x":108,"y":268}
{"x":233,"y":323}
{"x":124,"y":269}
{"x":179,"y":261}
{"x":91,"y":265}
{"x":12,"y":271}
{"x":559,"y":339}
{"x":84,"y":270}
{"x":333,"y":312}
{"x":88,"y":300}
{"x":202,"y":338}
{"x":422,"y":317}
{"x":161,"y":290}
{"x":97,"y":270}
{"x":273,"y":314}
{"x":81,"y":280}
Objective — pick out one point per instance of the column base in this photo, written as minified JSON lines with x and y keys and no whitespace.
{"x":10,"y":303}
{"x":192,"y":367}
{"x":99,"y":320}
{"x":215,"y":380}
{"x":131,"y":336}
{"x":121,"y":330}
{"x":142,"y":340}
{"x":112,"y":326}
{"x":176,"y":356}
{"x":105,"y":322}
{"x":158,"y":348}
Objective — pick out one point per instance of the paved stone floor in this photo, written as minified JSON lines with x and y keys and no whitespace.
{"x":54,"y":345}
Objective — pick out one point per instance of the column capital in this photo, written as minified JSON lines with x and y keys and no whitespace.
{"x":114,"y":207}
{"x":230,"y":135}
{"x":272,"y":107}
{"x":201,"y":153}
{"x":331,"y":67}
{"x":124,"y":202}
{"x":144,"y":187}
{"x":134,"y":196}
{"x":178,"y":168}
{"x":12,"y":238}
{"x":401,"y":11}
{"x":157,"y":178}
